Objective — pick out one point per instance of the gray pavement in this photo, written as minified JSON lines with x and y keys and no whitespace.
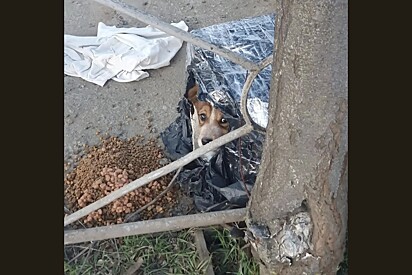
{"x":127,"y":109}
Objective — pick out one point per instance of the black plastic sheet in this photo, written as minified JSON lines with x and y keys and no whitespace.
{"x":220,"y":182}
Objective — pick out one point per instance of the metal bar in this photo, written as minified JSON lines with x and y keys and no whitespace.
{"x":154,"y":226}
{"x":181,"y":34}
{"x":158,"y":173}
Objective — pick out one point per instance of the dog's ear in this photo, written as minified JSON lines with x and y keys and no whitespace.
{"x":192,"y":94}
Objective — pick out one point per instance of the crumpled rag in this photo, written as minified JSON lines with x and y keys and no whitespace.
{"x":121,"y":54}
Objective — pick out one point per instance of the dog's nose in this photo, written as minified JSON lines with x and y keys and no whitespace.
{"x":206,"y":140}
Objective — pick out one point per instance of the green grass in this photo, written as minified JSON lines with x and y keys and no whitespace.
{"x":164,"y":254}
{"x":168,"y":253}
{"x":228,"y":257}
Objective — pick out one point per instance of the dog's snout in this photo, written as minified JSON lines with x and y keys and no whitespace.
{"x":206,"y":140}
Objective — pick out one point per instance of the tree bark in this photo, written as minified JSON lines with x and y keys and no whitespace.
{"x":298,"y":209}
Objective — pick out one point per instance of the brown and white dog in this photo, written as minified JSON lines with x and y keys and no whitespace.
{"x":208,"y":122}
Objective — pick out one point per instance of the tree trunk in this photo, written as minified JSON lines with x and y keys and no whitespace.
{"x":298,"y":209}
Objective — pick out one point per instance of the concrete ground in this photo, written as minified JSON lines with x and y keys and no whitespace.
{"x":126,"y":109}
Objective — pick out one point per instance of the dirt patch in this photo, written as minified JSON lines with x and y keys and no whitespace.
{"x":111,"y":165}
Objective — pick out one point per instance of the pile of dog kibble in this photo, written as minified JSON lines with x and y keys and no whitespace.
{"x":110,"y":166}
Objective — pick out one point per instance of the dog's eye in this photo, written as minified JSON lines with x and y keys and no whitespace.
{"x":223,"y":121}
{"x":202,"y":117}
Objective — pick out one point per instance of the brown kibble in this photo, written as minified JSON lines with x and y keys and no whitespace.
{"x":99,"y":172}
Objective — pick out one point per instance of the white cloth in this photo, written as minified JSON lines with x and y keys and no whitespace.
{"x":120,"y":54}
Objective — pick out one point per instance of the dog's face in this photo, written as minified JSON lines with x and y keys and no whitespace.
{"x":210,"y":122}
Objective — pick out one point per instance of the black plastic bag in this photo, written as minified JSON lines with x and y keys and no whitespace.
{"x":220,"y":183}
